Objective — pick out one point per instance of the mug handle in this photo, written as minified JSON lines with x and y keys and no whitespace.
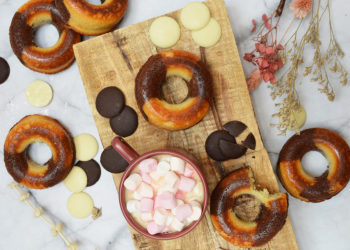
{"x":124,"y":149}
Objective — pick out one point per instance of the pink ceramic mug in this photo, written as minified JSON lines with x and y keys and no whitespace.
{"x":130,"y":155}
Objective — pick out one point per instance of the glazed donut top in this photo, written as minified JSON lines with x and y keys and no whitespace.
{"x":331,"y":182}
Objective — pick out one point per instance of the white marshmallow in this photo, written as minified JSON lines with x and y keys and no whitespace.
{"x":160,"y":216}
{"x":146,"y":217}
{"x":193,"y":199}
{"x":137,"y":196}
{"x":189,"y":220}
{"x":133,"y":206}
{"x":169,"y":219}
{"x":197,"y":189}
{"x":167,"y":159}
{"x":167,"y":188}
{"x":145,"y":190}
{"x":171,"y":179}
{"x":132,"y":182}
{"x":177,"y":165}
{"x":155,"y":176}
{"x":163,"y":168}
{"x":178,"y":225}
{"x":179,"y":203}
{"x":196,"y":210}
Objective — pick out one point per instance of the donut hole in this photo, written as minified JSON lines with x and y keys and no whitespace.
{"x":314,"y":164}
{"x":247,"y":207}
{"x":46,"y":35}
{"x":174,"y":90}
{"x":95,"y":2}
{"x":39,"y":152}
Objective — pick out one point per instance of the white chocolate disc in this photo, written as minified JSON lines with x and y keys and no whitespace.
{"x":300,"y":117}
{"x":86,"y":147}
{"x":209,"y":35}
{"x":195,"y":16}
{"x":76,"y":180}
{"x":39,"y":93}
{"x":80,"y":205}
{"x":165,"y":32}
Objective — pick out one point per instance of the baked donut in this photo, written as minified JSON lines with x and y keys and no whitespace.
{"x":148,"y":90}
{"x":32,"y":129}
{"x":27,"y":19}
{"x":298,"y":183}
{"x":89,"y":19}
{"x":271,"y":218}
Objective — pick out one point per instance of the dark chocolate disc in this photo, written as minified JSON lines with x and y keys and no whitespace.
{"x":92,"y":170}
{"x":112,"y":161}
{"x":231,"y":150}
{"x":110,"y":102}
{"x":212,"y":144}
{"x":235,"y":128}
{"x":4,"y":70}
{"x":126,"y":123}
{"x":250,"y":142}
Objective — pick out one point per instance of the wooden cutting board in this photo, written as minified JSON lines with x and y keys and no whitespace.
{"x":114,"y":59}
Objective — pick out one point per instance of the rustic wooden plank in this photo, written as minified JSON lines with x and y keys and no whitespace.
{"x":114,"y":60}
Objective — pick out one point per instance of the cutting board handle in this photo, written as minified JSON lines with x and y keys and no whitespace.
{"x":124,"y":149}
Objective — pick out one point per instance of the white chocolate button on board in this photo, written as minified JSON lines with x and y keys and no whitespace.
{"x":80,"y":205}
{"x":165,"y":32}
{"x":86,"y":147}
{"x":209,"y":35}
{"x":195,"y":16}
{"x":300,"y":117}
{"x":76,"y":180}
{"x":39,"y":93}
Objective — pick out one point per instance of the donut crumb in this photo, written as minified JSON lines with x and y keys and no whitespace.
{"x":247,"y":208}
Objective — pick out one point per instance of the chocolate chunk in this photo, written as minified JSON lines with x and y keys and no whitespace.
{"x":247,"y":207}
{"x":212,"y":144}
{"x":250,"y":142}
{"x":126,"y":123}
{"x":235,"y":128}
{"x":4,"y":70}
{"x":92,"y":170}
{"x":231,"y":150}
{"x":112,"y":161}
{"x":110,"y":102}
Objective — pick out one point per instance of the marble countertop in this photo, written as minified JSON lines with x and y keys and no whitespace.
{"x":320,"y":226}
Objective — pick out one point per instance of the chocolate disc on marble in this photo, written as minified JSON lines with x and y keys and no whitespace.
{"x":235,"y":128}
{"x":231,"y":150}
{"x":126,"y":123}
{"x":4,"y":70}
{"x":112,"y":161}
{"x":212,"y":144}
{"x":110,"y":102}
{"x":92,"y":170}
{"x":250,"y":142}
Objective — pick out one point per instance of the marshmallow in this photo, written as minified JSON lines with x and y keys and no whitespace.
{"x":197,"y":189}
{"x":168,"y":200}
{"x":186,"y":184}
{"x":189,"y":220}
{"x":179,"y":195}
{"x":163,"y":168}
{"x":167,"y":188}
{"x":155,"y":176}
{"x":178,"y":225}
{"x":169,"y":219}
{"x":179,"y":203}
{"x":137,"y":196}
{"x":146,"y":178}
{"x":188,"y":172}
{"x":148,"y":165}
{"x":193,"y":199}
{"x":146,"y":217}
{"x":196,"y":210}
{"x":133,"y":206}
{"x":153,"y":228}
{"x":145,"y":190}
{"x":146,"y":205}
{"x":171,"y":179}
{"x":157,"y":202}
{"x":166,"y":230}
{"x":160,"y":215}
{"x":183,"y":212}
{"x":132,"y":182}
{"x":177,"y":165}
{"x":167,"y":159}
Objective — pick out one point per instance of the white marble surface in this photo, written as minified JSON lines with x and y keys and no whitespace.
{"x":320,"y":226}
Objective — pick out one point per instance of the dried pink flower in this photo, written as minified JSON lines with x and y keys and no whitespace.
{"x":254,"y":25}
{"x":254,"y":79}
{"x":301,"y":8}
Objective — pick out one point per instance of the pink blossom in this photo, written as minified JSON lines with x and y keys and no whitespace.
{"x":253,"y":80}
{"x":301,"y":8}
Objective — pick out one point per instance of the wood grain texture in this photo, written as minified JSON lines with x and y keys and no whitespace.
{"x":114,"y":59}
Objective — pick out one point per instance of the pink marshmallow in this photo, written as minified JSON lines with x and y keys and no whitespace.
{"x":179,"y":195}
{"x":168,"y":200}
{"x":146,"y":217}
{"x":178,"y":203}
{"x":186,"y":184}
{"x":145,"y":190}
{"x":157,"y":202}
{"x":183,"y":212}
{"x":146,"y":205}
{"x":188,"y":172}
{"x":171,"y":179}
{"x":132,"y":182}
{"x":178,"y":225}
{"x":146,"y":178}
{"x":166,"y":229}
{"x":160,"y":215}
{"x":153,"y":228}
{"x":148,"y":165}
{"x":177,"y":165}
{"x":196,"y":210}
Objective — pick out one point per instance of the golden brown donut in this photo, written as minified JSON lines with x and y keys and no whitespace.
{"x":331,"y":182}
{"x":27,"y":19}
{"x":89,"y":19}
{"x":32,"y":129}
{"x":148,"y":90}
{"x":272,"y":216}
